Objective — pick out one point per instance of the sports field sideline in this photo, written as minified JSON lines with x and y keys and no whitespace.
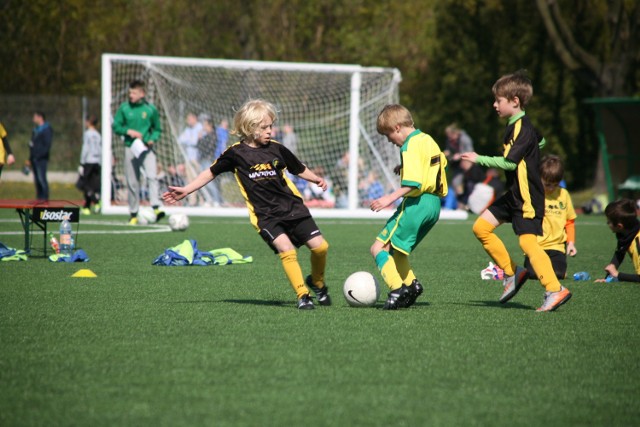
{"x":145,"y":345}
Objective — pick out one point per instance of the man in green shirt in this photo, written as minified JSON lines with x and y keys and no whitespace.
{"x":138,"y":122}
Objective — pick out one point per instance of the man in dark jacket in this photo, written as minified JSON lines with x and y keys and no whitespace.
{"x":39,"y":147}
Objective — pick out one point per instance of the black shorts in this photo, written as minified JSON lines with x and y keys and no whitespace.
{"x":558,"y":261}
{"x":299,"y":230}
{"x":504,"y":211}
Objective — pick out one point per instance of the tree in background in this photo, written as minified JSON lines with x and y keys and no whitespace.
{"x":449,"y":51}
{"x":609,"y":65}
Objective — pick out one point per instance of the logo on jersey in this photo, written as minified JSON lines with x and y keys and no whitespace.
{"x":262,"y":170}
{"x":555,"y":209}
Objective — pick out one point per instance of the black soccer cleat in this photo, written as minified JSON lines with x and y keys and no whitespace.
{"x":397,"y":298}
{"x":322,"y":294}
{"x":305,"y":303}
{"x":159,"y":214}
{"x":415,"y":290}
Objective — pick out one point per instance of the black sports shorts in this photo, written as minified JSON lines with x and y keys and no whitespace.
{"x":504,"y":211}
{"x":299,"y":230}
{"x":558,"y":260}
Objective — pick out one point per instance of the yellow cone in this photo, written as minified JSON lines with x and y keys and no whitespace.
{"x":84,"y":273}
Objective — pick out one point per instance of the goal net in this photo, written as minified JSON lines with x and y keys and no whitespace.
{"x":326,"y":115}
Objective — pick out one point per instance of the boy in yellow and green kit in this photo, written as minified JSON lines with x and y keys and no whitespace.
{"x":423,"y":182}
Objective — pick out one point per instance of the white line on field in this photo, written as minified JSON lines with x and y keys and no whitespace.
{"x":126,"y":229}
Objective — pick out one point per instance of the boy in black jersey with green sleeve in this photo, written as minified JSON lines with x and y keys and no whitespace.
{"x":523,"y":203}
{"x":276,"y":208}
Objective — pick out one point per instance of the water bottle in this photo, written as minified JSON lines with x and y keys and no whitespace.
{"x":54,"y":243}
{"x":65,"y":237}
{"x":610,"y":279}
{"x":581,"y":275}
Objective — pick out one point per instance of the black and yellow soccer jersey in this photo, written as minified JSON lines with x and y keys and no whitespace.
{"x":259,"y":172}
{"x":524,"y":184}
{"x":558,"y":209}
{"x":628,"y":242}
{"x":423,"y":165}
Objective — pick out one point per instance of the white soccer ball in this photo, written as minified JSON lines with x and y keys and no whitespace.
{"x":146,"y":216}
{"x":178,"y":222}
{"x":361,"y":289}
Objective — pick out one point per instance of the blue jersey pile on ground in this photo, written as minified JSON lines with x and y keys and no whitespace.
{"x":11,"y":254}
{"x":77,"y":256}
{"x":187,"y":253}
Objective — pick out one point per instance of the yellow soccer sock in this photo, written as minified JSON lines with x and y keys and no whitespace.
{"x":387,"y":267}
{"x":318,"y":263}
{"x":540,"y":262}
{"x":492,"y":244}
{"x":403,"y":267}
{"x":294,"y":272}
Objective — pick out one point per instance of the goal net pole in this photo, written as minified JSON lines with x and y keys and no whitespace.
{"x":354,"y":139}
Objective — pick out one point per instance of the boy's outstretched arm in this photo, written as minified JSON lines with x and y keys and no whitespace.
{"x":490,"y":161}
{"x":178,"y":193}
{"x":308,"y":175}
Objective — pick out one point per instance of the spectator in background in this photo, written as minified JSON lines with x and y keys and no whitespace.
{"x":39,"y":148}
{"x":208,"y":148}
{"x":222,"y":135}
{"x":458,"y":142}
{"x":189,"y":138}
{"x":138,"y":119}
{"x":6,"y":155}
{"x":290,"y":139}
{"x":206,"y":143}
{"x":90,"y":163}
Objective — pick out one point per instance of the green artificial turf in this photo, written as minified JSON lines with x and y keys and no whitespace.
{"x":224,"y":345}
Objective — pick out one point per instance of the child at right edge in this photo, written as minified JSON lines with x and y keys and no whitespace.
{"x":523,"y":203}
{"x":622,"y":219}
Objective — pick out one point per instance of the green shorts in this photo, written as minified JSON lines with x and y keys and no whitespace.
{"x":411,"y":222}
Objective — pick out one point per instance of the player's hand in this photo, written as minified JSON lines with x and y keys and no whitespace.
{"x":174,"y":195}
{"x":10,"y":159}
{"x":397,"y":169}
{"x":149,"y":144}
{"x":134,"y":133}
{"x":322,"y":184}
{"x":381,"y":203}
{"x":471,"y":156}
{"x":571,"y":249}
{"x":611,"y":270}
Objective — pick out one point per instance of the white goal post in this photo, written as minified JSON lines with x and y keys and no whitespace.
{"x":326,"y":112}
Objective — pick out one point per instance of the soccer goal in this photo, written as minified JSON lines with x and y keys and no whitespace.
{"x":327,"y":116}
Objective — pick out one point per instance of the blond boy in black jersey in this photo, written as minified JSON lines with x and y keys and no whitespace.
{"x":275,"y":206}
